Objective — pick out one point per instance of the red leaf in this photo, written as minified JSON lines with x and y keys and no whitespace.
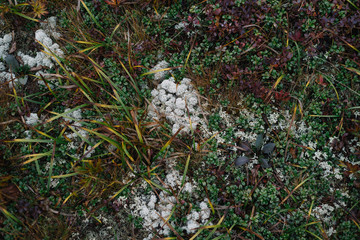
{"x":321,"y":81}
{"x":217,"y":11}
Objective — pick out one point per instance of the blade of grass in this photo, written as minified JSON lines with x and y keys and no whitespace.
{"x":167,"y":144}
{"x":114,"y":87}
{"x":171,"y":227}
{"x":136,"y":124}
{"x":156,"y":71}
{"x":211,"y":206}
{"x":156,"y":185}
{"x":344,"y":85}
{"x":275,"y":85}
{"x":65,"y":175}
{"x":332,"y":85}
{"x":81,"y":136}
{"x":9,"y":215}
{"x":352,"y":4}
{"x":324,"y":116}
{"x":91,"y":15}
{"x":314,"y":235}
{"x":65,"y":114}
{"x":114,"y":31}
{"x":215,"y":226}
{"x":252,"y":232}
{"x":27,"y":17}
{"x":185,"y":171}
{"x":353,"y":70}
{"x":102,"y":136}
{"x":131,"y":78}
{"x":35,"y":157}
{"x":30,"y":141}
{"x":220,"y":237}
{"x":278,"y":212}
{"x":122,"y":189}
{"x":92,"y":48}
{"x":299,"y":185}
{"x":199,"y":231}
{"x":188,"y":56}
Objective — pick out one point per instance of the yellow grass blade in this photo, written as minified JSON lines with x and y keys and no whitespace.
{"x":214,"y":227}
{"x":208,"y":140}
{"x":67,"y":198}
{"x":64,"y":115}
{"x":88,"y":43}
{"x":126,"y":152}
{"x":9,"y":215}
{"x":314,"y":235}
{"x":115,"y":29}
{"x":199,"y":231}
{"x":188,"y":56}
{"x":275,"y":85}
{"x":353,"y":70}
{"x":44,"y":134}
{"x":136,"y":124}
{"x":30,"y":141}
{"x":109,"y":140}
{"x":290,"y":194}
{"x":211,"y":206}
{"x":156,"y":71}
{"x":92,"y":48}
{"x":65,"y":175}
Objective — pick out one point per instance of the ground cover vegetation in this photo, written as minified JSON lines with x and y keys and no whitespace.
{"x":275,"y":152}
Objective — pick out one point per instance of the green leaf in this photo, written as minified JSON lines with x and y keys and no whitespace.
{"x":264,"y":162}
{"x":259,"y":141}
{"x":241,"y":161}
{"x":268,"y":148}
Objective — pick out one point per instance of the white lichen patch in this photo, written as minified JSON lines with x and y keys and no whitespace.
{"x":179,"y":104}
{"x":160,"y":71}
{"x":44,"y":58}
{"x":155,"y":209}
{"x":32,"y":120}
{"x":40,"y":59}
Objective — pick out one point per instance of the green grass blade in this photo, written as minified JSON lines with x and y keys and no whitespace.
{"x":10,"y":216}
{"x":185,"y":171}
{"x":91,"y":15}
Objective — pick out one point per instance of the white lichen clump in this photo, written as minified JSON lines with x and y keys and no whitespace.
{"x":41,"y":59}
{"x":76,"y":134}
{"x":49,"y":26}
{"x":178,"y":103}
{"x":155,"y":209}
{"x":160,"y":73}
{"x":32,"y":120}
{"x":5,"y":76}
{"x":5,"y":45}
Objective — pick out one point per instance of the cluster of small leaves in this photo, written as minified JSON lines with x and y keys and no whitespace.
{"x":262,"y":150}
{"x":257,"y":43}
